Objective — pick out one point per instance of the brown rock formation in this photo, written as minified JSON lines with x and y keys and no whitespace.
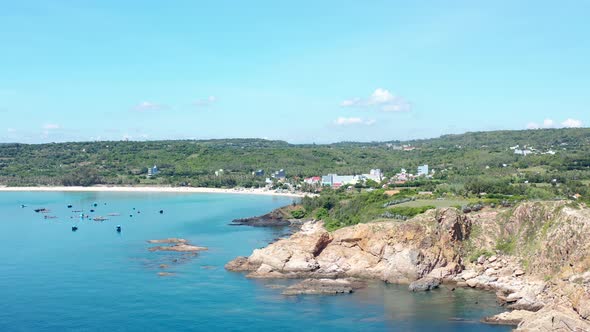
{"x":537,"y":258}
{"x":181,"y":247}
{"x":393,"y":252}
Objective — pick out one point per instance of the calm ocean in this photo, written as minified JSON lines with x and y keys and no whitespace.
{"x":95,"y":279}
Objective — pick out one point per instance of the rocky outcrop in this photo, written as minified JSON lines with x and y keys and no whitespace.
{"x":509,"y":318}
{"x":278,"y":217}
{"x":503,"y":274}
{"x":554,"y":318}
{"x":179,"y":245}
{"x":323,"y":287}
{"x":536,"y":258}
{"x":389,"y":251}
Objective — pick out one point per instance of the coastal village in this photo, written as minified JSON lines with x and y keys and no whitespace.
{"x":279,"y":181}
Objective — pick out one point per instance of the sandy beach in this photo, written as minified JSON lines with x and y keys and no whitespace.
{"x":156,"y":190}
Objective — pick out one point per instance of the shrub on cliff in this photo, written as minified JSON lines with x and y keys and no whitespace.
{"x":298,"y":214}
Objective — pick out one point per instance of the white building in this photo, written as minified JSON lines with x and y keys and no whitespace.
{"x":374,"y":174}
{"x":423,"y":170}
{"x":153,"y":171}
{"x":336,"y":181}
{"x":522,"y":152}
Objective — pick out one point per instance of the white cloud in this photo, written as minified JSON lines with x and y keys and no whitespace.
{"x":342,"y":121}
{"x":381,"y":99}
{"x":550,"y":123}
{"x":148,"y":106}
{"x":572,"y":123}
{"x":11,"y":130}
{"x":205,"y":101}
{"x":381,"y":96}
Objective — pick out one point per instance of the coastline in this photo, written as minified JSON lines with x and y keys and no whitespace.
{"x":154,"y":189}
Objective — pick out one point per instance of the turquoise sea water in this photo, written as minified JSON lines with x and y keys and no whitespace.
{"x":95,"y":279}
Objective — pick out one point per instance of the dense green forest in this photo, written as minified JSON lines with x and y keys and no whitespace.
{"x":466,"y":164}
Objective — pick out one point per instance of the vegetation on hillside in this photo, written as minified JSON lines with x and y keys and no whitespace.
{"x":472,"y":165}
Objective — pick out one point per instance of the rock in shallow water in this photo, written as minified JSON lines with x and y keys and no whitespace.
{"x":508,"y":318}
{"x":323,"y":287}
{"x":165,"y":274}
{"x":241,"y":264}
{"x":169,"y":240}
{"x":181,"y":247}
{"x":424,"y":284}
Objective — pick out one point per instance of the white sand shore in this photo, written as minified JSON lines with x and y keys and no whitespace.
{"x":155,"y":190}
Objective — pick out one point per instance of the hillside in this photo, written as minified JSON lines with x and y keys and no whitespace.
{"x":455,"y":158}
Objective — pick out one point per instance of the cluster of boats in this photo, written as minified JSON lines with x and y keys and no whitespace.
{"x":84,"y":216}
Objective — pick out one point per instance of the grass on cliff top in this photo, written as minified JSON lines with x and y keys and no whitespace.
{"x":340,"y":209}
{"x":437,"y":203}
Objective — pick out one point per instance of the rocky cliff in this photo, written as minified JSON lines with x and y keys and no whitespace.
{"x":536,"y":256}
{"x":399,"y":252}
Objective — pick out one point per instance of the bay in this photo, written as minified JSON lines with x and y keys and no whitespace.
{"x":95,"y":279}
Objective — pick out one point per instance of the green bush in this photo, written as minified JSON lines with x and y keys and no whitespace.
{"x":332,"y":224}
{"x":321,"y":214}
{"x":409,"y":212}
{"x":298,"y":214}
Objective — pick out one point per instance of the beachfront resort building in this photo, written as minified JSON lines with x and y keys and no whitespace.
{"x":279,"y":174}
{"x":153,"y":171}
{"x":313,"y":180}
{"x":374,"y":174}
{"x":337,"y":181}
{"x":423,"y":170}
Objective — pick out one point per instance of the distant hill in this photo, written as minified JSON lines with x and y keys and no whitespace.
{"x":195,"y":162}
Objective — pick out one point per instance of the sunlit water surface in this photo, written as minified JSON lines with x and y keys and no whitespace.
{"x":95,"y":279}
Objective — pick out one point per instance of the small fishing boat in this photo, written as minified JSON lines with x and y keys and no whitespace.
{"x":42,"y":210}
{"x":74,"y":228}
{"x":99,"y":218}
{"x":161,"y":211}
{"x":118,"y":228}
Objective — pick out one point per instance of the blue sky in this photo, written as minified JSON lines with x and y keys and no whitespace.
{"x":303,"y":71}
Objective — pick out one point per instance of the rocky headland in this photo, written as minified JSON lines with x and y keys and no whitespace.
{"x":535,"y":256}
{"x":275,"y":218}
